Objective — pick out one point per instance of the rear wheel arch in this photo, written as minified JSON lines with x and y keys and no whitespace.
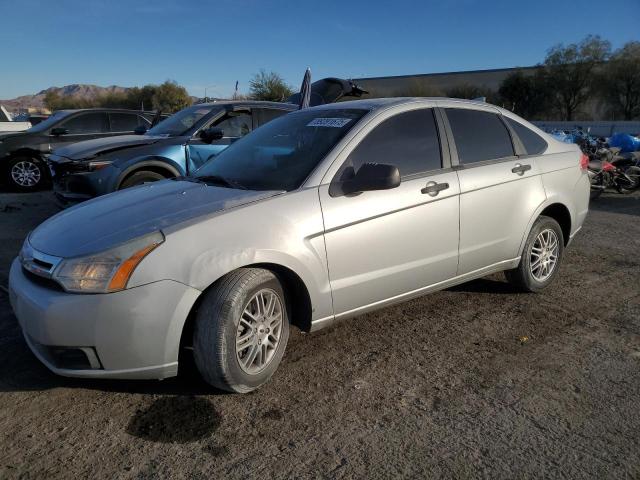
{"x":553,"y":209}
{"x":560,"y":213}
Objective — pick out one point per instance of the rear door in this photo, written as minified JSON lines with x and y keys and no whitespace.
{"x":122,"y":123}
{"x":386,"y":244}
{"x":235,"y":126}
{"x":82,"y":126}
{"x":498,"y":190}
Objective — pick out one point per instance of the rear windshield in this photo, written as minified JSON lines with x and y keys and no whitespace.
{"x":282,"y":154}
{"x":180,"y":123}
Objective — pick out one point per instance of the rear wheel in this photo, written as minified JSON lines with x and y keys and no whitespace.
{"x":541,"y":256}
{"x":241,"y":330}
{"x":141,"y":177}
{"x":26,"y":173}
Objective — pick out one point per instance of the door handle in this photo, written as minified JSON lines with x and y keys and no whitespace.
{"x":520,"y":169}
{"x":433,"y":188}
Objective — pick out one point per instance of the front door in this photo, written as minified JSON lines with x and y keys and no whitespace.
{"x":498,"y":190}
{"x":235,"y":125}
{"x":388,"y":244}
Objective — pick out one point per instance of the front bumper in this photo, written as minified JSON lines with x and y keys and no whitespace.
{"x":135,"y":333}
{"x":72,"y":186}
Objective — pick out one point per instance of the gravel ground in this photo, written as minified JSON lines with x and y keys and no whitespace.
{"x":475,"y":381}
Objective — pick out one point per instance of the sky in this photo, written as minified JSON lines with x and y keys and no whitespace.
{"x":214,"y":43}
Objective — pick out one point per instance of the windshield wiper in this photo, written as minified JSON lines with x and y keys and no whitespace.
{"x":218,"y":180}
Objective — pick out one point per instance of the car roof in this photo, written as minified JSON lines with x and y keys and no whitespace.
{"x":381,"y":103}
{"x":251,"y":103}
{"x":107,"y":110}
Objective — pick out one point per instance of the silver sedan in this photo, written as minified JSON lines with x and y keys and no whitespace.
{"x":320,"y":215}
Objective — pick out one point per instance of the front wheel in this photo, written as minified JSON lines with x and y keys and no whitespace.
{"x":541,"y":256}
{"x":140,"y":178}
{"x":628,"y":180}
{"x":241,"y":330}
{"x":26,"y":174}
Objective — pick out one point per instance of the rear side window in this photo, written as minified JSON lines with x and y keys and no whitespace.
{"x":264,"y":115}
{"x":125,"y":122}
{"x":479,"y":135}
{"x":87,"y":123}
{"x":533,"y":143}
{"x":408,"y":140}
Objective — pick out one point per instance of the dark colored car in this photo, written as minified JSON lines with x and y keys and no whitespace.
{"x":177,"y":147}
{"x":23,"y":154}
{"x":174,"y":148}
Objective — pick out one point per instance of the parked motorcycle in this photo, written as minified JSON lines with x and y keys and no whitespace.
{"x":607,"y":169}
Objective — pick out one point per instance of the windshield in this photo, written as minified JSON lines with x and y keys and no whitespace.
{"x":281,"y":154}
{"x":50,"y":122}
{"x":183,"y":121}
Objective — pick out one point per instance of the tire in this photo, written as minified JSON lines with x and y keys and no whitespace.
{"x":597,"y":186}
{"x":26,"y":174}
{"x":139,"y":178}
{"x":630,"y":181}
{"x":529,"y":279}
{"x":221,"y":320}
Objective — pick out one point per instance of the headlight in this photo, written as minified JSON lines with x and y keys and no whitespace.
{"x":99,"y":165}
{"x":108,"y":271}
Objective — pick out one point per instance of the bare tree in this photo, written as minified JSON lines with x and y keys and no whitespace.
{"x":620,"y":81}
{"x":569,"y":70}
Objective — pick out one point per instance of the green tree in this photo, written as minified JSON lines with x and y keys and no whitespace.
{"x":170,"y":97}
{"x":525,"y":95}
{"x":619,"y":82}
{"x":570,"y":73}
{"x":269,"y":86}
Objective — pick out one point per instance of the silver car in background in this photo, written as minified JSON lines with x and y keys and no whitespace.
{"x":320,"y":215}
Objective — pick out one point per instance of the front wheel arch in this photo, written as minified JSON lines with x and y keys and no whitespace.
{"x":158,"y":166}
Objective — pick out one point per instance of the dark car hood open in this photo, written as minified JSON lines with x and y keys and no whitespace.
{"x":92,"y":148}
{"x":330,"y":90}
{"x":108,"y":221}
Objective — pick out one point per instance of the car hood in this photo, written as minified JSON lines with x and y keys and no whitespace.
{"x":100,"y":146}
{"x":108,"y":221}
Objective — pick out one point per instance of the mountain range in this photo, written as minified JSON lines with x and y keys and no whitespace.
{"x":79,"y":90}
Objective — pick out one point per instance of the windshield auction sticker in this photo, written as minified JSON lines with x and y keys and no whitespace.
{"x":329,"y":122}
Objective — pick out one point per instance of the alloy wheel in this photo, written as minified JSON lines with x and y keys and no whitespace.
{"x":259,"y":331}
{"x":25,"y":173}
{"x":544,"y":255}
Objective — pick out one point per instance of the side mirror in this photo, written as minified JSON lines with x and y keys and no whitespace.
{"x":57,"y":131}
{"x":372,"y":176}
{"x":140,"y":130}
{"x":211,"y":134}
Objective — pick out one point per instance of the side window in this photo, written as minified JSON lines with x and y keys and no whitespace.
{"x":408,"y":140}
{"x":236,"y":125}
{"x":93,"y":122}
{"x":533,"y":143}
{"x":265,"y":115}
{"x":124,"y":122}
{"x":479,"y":135}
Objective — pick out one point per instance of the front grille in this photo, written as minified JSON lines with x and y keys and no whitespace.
{"x":42,"y":281}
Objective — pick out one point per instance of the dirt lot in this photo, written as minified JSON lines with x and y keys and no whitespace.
{"x":438,"y":387}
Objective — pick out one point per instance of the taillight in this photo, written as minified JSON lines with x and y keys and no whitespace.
{"x":584,"y":162}
{"x":608,"y":167}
